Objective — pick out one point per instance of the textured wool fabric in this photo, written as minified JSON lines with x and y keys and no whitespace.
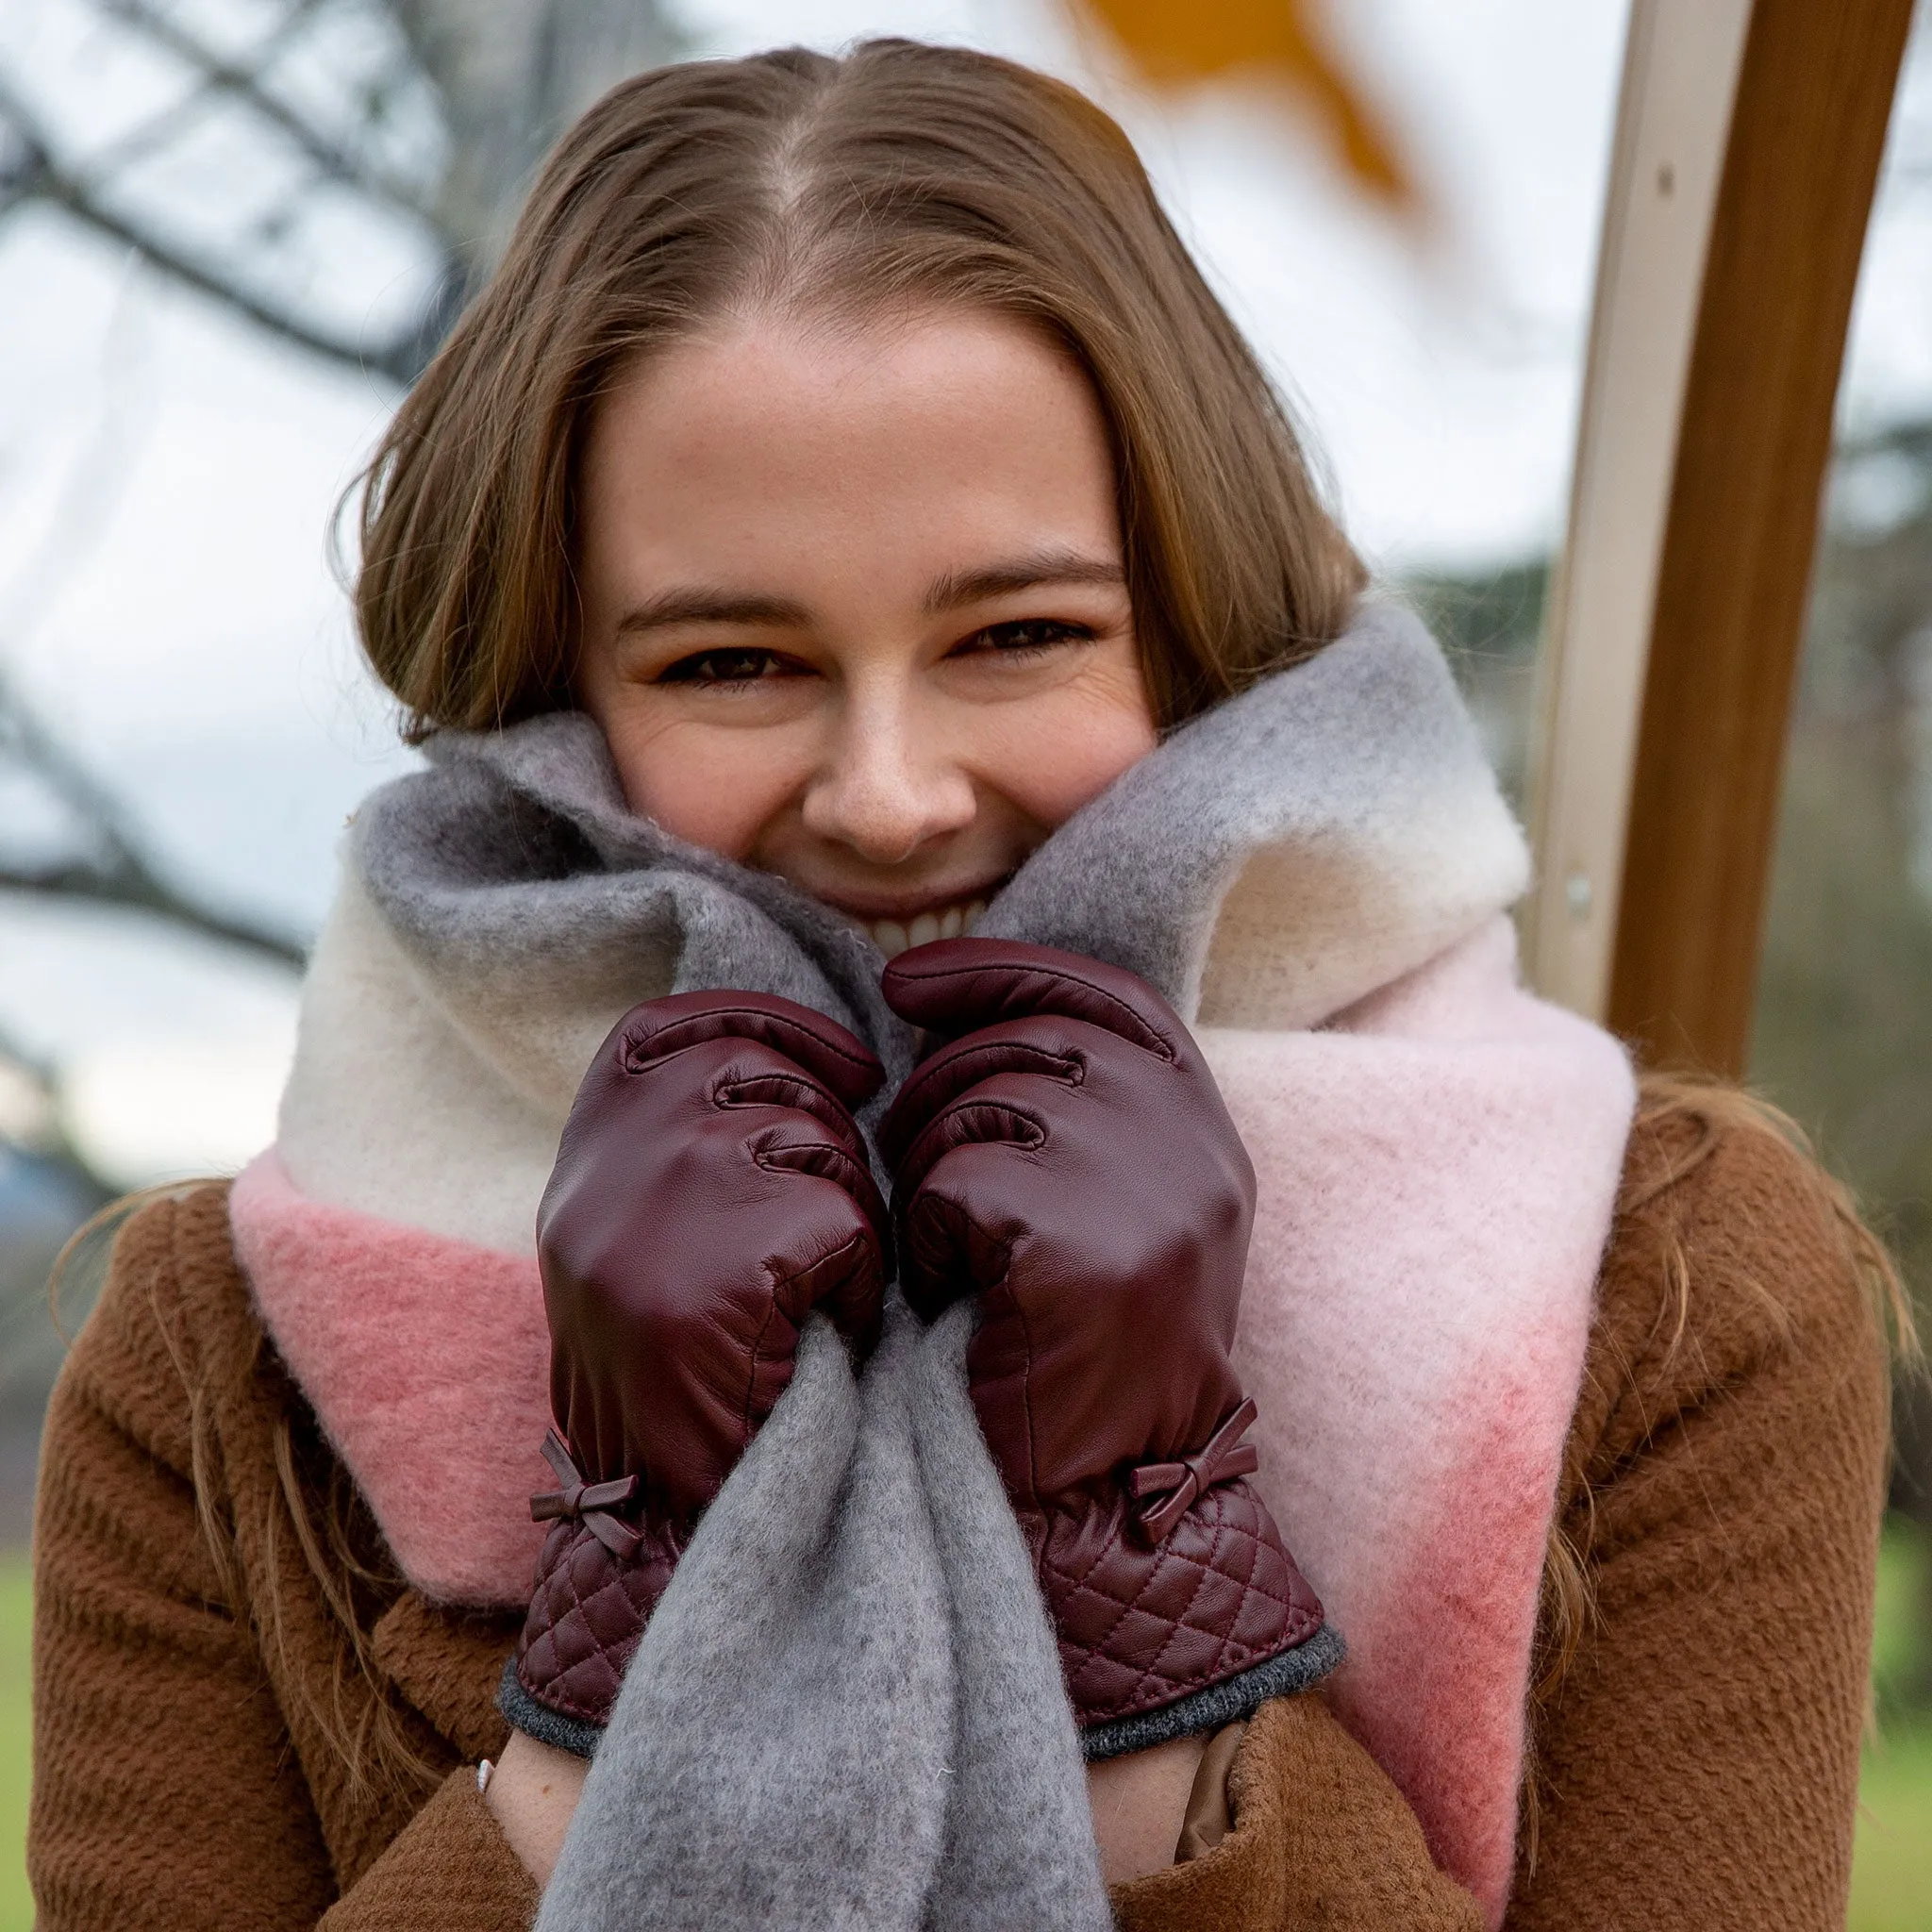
{"x":400,"y":1338}
{"x":1723,"y":1484}
{"x":1413,"y":1479}
{"x":831,"y":1664}
{"x":1697,"y":1763}
{"x":1329,"y":847}
{"x":449,"y":1866}
{"x":994,"y":1836}
{"x":671,"y":1833}
{"x":1293,"y":850}
{"x":1321,"y":1838}
{"x":184,"y":1774}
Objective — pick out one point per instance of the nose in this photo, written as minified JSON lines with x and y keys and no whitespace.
{"x":886,"y":787}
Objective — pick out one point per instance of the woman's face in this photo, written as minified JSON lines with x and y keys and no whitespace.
{"x":854,"y":609}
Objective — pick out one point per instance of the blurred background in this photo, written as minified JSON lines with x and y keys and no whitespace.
{"x":231,"y":232}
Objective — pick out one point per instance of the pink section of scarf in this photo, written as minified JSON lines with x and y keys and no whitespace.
{"x":427,"y":1361}
{"x":1437,"y":1172}
{"x":1437,"y":1169}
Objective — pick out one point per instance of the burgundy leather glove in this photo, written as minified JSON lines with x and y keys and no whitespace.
{"x":1069,"y":1160}
{"x":711,"y":1189}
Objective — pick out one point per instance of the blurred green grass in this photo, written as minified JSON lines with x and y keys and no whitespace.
{"x":16,"y":1901}
{"x":1891,"y":1874}
{"x":1891,"y":1884}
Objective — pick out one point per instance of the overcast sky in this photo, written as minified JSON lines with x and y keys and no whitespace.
{"x":166,"y":473}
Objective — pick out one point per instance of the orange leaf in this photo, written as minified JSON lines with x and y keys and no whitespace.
{"x":1180,"y":41}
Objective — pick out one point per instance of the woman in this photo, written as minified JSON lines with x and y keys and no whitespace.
{"x":847,"y":523}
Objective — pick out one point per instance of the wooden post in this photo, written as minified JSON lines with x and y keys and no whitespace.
{"x":1806,"y":137}
{"x":1674,"y":117}
{"x":1656,"y":817}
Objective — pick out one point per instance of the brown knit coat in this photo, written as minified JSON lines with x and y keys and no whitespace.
{"x":1695,"y":1766}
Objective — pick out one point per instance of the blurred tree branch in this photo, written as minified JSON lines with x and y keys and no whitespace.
{"x":502,"y":79}
{"x":111,"y":866}
{"x":218,"y":73}
{"x":499,"y":79}
{"x":511,"y":76}
{"x":33,"y":174}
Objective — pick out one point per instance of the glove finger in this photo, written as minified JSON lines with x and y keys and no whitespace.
{"x":1005,"y":1108}
{"x":824,"y":1049}
{"x":959,"y":986}
{"x":849,"y":1285}
{"x":724,"y":1073}
{"x":749,"y":1074}
{"x":955,"y":1232}
{"x":1048,"y":1049}
{"x":943,"y":1255}
{"x":797,"y":1145}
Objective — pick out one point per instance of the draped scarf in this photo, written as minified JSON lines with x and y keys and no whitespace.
{"x":846,"y":1710}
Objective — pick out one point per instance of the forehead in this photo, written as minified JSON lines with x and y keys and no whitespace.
{"x":776,"y":446}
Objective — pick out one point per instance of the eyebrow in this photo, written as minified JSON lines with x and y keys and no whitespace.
{"x":1021,"y":574}
{"x":697,"y":604}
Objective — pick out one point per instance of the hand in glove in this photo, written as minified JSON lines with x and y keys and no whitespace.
{"x":712,"y":1190}
{"x":1068,"y":1159}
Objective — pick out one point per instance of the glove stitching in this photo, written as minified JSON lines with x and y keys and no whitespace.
{"x":557,"y":1693}
{"x":1298,"y":1621}
{"x":750,"y":1379}
{"x":1148,"y":1672}
{"x":1201,"y":1573}
{"x":1160,"y":1047}
{"x":732,"y":1094}
{"x":1027,"y":1381}
{"x":1121,"y":1610}
{"x":769,"y":1159}
{"x":632,"y":1048}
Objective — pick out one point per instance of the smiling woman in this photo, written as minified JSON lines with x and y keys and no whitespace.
{"x":890,"y":692}
{"x":836,"y":1438}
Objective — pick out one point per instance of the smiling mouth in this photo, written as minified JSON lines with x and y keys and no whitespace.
{"x":895,"y":936}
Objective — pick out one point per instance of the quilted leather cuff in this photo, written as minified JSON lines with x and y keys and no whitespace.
{"x":598,"y":1579}
{"x":1164,"y":1636}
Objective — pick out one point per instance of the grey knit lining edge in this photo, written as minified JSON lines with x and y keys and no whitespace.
{"x":1240,"y":1696}
{"x":539,"y":1720}
{"x":1295,"y":1670}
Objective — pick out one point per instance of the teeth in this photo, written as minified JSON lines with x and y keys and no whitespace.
{"x":893,"y":937}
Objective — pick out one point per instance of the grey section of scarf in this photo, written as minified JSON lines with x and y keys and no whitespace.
{"x":798,"y":1753}
{"x":847,"y":1709}
{"x":515,"y":862}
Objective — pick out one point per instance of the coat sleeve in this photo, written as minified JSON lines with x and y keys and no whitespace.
{"x":449,"y":1869}
{"x":166,"y":1794}
{"x":1321,"y":1837}
{"x":1697,"y":1762}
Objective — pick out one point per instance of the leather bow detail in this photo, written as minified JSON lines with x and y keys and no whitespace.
{"x":1175,"y":1485}
{"x":590,"y":1501}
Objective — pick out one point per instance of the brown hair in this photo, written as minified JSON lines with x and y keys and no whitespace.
{"x":899,"y":175}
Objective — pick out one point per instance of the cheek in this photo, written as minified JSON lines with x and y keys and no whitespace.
{"x":1058,"y":754}
{"x":717,"y":789}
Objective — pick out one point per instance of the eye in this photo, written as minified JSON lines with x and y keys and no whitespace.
{"x":1022,"y":637}
{"x":742,"y":665}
